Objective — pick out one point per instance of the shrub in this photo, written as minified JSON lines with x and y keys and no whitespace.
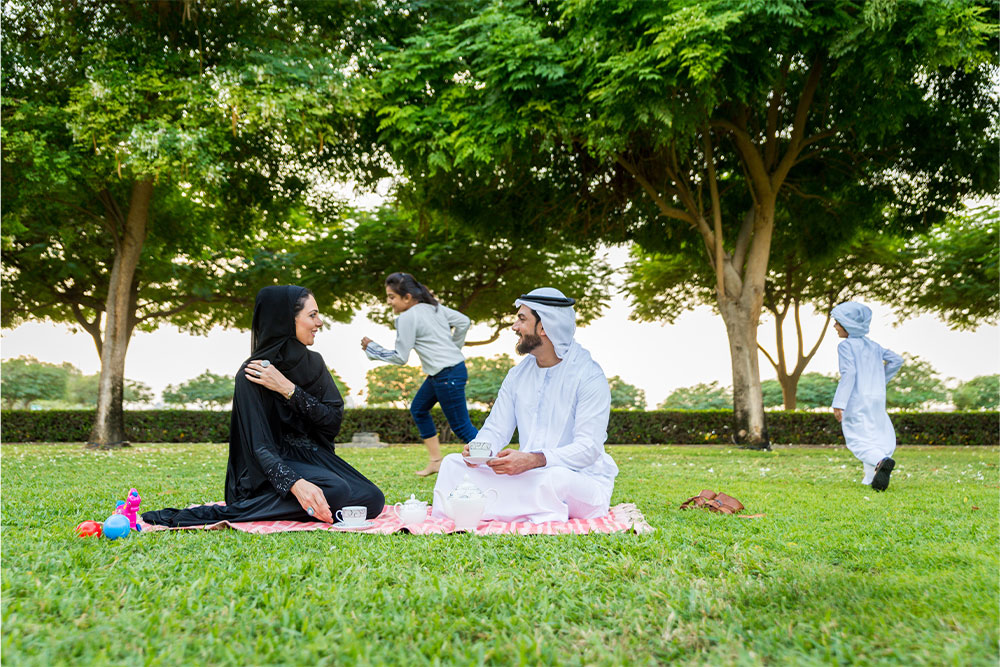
{"x":625,"y":427}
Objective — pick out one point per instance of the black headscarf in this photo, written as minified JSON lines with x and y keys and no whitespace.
{"x":273,"y":336}
{"x":262,"y":417}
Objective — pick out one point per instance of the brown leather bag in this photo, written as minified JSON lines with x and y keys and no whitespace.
{"x":713,"y":502}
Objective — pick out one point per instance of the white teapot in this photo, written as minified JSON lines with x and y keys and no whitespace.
{"x":413,"y":511}
{"x":465,"y":504}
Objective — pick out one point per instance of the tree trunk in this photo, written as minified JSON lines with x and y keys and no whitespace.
{"x":749,"y":427}
{"x":789,"y":390}
{"x":109,"y":423}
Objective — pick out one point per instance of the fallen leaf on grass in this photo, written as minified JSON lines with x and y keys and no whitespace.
{"x":750,"y":516}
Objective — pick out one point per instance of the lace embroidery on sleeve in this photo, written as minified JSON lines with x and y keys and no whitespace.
{"x":308,"y":406}
{"x":282,"y":478}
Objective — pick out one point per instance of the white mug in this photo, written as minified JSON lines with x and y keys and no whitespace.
{"x":480,"y":448}
{"x":352,"y":515}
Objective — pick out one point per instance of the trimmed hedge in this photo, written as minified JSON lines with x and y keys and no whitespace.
{"x":625,"y":427}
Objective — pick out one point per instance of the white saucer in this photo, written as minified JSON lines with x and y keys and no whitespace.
{"x":366,"y":524}
{"x":478,"y":460}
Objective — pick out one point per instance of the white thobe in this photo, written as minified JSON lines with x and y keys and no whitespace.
{"x":865,"y":369}
{"x":561,"y":411}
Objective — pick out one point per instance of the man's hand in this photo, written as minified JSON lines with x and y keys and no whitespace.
{"x":465,"y":455}
{"x":364,"y":342}
{"x":512,"y":462}
{"x":839,"y":414}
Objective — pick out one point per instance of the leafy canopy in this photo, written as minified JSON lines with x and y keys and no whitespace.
{"x":979,"y":393}
{"x":702,"y":396}
{"x":393,"y":385}
{"x":228,"y":109}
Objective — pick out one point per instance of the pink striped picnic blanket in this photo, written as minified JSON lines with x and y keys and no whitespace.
{"x":622,"y":518}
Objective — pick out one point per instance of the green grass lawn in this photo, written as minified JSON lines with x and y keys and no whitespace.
{"x":834,"y":573}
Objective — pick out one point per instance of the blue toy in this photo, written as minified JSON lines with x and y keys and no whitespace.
{"x":116,"y":526}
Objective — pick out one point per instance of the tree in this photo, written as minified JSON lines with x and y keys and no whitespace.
{"x":979,"y":393}
{"x":25,"y":380}
{"x":915,"y":385}
{"x":701,"y":396}
{"x":390,"y":384}
{"x":341,"y":385}
{"x":82,"y":390}
{"x":485,"y":378}
{"x":685,"y":123}
{"x":805,"y":272}
{"x":625,"y":396}
{"x":815,"y":390}
{"x":205,"y":390}
{"x":148,"y":147}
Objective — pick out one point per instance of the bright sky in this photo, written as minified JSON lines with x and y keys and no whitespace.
{"x":656,"y":358}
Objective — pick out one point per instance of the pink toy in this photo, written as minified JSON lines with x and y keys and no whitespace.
{"x":131,"y":508}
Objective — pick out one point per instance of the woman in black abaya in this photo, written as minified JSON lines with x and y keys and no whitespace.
{"x":286,"y":412}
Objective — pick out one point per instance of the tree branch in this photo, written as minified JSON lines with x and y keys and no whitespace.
{"x":769,"y":358}
{"x":799,"y":124}
{"x":713,"y":188}
{"x":773,"y":114}
{"x":667,"y":210}
{"x":743,"y":240}
{"x":751,"y":156}
{"x":496,"y":335}
{"x":75,"y":207}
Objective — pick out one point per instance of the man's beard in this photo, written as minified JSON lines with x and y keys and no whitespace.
{"x":528,"y":343}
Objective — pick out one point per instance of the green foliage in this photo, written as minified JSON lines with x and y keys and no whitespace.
{"x":82,"y":390}
{"x":667,"y":122}
{"x":26,"y":380}
{"x":206,"y":390}
{"x":341,"y":385}
{"x":701,"y":396}
{"x":625,"y":396}
{"x":390,"y":384}
{"x":224,"y":106}
{"x":485,"y":378}
{"x":979,"y":393}
{"x":625,"y":426}
{"x":793,"y":587}
{"x":814,"y":390}
{"x":952,"y":271}
{"x":915,"y":386}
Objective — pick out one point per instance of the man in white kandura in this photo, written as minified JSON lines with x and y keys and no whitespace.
{"x":559,"y":401}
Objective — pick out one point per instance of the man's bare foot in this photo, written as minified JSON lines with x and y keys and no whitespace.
{"x":432,"y":468}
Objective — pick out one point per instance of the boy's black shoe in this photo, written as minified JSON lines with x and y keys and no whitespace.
{"x":882,"y":472}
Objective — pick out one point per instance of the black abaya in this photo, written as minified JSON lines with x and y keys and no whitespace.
{"x":273,"y":441}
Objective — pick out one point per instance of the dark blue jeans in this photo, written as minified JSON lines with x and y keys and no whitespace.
{"x":448,"y":389}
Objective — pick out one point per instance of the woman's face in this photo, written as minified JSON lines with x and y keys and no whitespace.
{"x":307,"y":322}
{"x":398,"y":303}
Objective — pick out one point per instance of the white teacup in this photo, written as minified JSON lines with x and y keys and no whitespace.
{"x":480,"y":449}
{"x":352,"y":515}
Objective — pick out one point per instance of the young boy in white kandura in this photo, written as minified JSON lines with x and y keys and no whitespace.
{"x":859,"y":404}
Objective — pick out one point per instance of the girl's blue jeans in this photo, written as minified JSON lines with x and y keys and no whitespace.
{"x":448,"y":389}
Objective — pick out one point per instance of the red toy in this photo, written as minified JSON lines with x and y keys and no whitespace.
{"x":89,"y":529}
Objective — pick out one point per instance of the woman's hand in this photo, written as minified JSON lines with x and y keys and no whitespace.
{"x":268,"y":377}
{"x":364,"y":342}
{"x":311,"y":496}
{"x":839,"y":414}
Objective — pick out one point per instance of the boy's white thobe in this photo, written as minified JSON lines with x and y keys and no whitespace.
{"x":865,"y":369}
{"x":561,"y":411}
